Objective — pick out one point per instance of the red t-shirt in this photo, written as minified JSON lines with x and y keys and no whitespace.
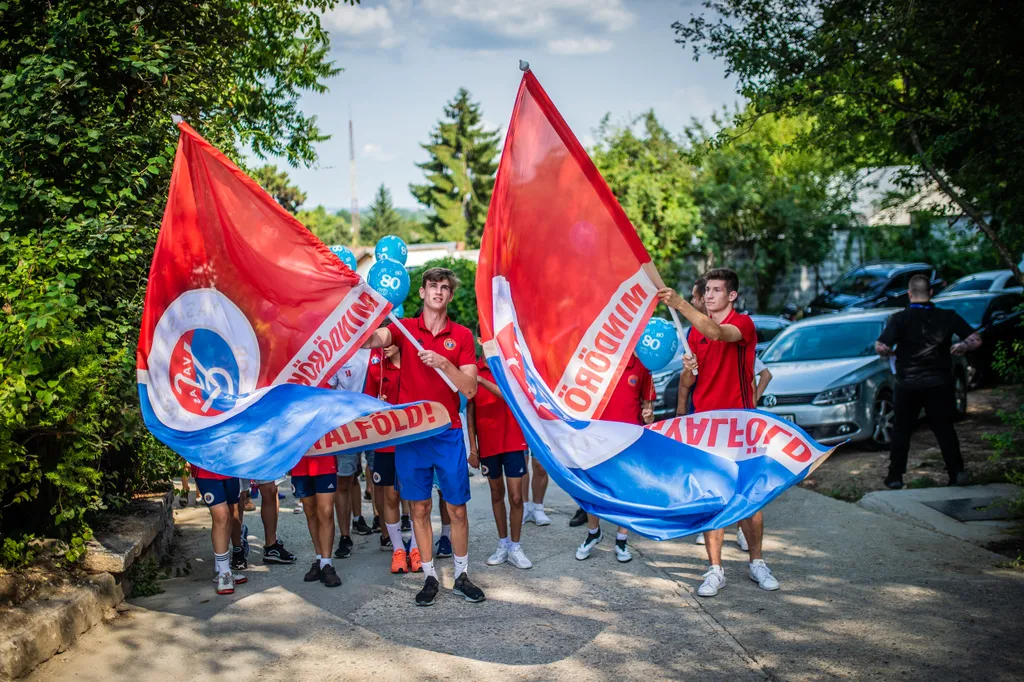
{"x":382,"y":381}
{"x":496,"y":429}
{"x":315,"y":466}
{"x":419,"y":382}
{"x":725,"y":370}
{"x":203,"y":473}
{"x":635,"y":385}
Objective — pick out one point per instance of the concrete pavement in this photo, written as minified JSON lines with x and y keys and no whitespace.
{"x":863,"y":596}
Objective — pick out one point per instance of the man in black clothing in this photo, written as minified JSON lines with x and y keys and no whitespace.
{"x":922,"y":337}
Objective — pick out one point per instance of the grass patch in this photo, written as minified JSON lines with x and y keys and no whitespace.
{"x":1014,"y":564}
{"x":923,"y":482}
{"x":145,"y":578}
{"x":847,"y":492}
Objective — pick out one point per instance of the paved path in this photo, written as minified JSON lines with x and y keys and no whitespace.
{"x":863,"y":597}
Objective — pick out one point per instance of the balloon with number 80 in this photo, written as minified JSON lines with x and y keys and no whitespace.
{"x":658,"y":344}
{"x":389,"y":279}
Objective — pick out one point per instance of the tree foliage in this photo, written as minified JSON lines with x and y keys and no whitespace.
{"x":278,"y":185}
{"x":383,"y":219}
{"x":460,"y":172}
{"x":330,"y":228}
{"x":87,"y":88}
{"x":931,"y":85}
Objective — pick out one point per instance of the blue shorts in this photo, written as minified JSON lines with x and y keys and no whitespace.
{"x":307,"y":486}
{"x":383,"y":468}
{"x":443,"y":455}
{"x":514,"y":464}
{"x":216,"y":491}
{"x":348,"y":464}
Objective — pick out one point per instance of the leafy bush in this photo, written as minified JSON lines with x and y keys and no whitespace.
{"x":1008,"y":361}
{"x":87,"y":88}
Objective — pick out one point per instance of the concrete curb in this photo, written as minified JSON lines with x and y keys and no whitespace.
{"x":115,"y":551}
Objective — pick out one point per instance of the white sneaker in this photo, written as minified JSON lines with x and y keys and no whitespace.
{"x":714,"y":580}
{"x":528,"y":512}
{"x":499,"y":557}
{"x":762,"y":575}
{"x":517,"y":557}
{"x":225,"y":583}
{"x":298,"y":507}
{"x":584,"y":550}
{"x":700,"y":538}
{"x":539,"y":517}
{"x":622,"y":552}
{"x":741,"y":540}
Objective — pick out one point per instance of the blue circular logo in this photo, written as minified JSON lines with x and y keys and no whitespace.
{"x":204,"y":373}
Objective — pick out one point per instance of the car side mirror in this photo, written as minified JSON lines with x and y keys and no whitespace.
{"x":998,"y":316}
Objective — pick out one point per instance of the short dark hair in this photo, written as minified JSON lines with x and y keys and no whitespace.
{"x":920,"y":285}
{"x":700,"y":285}
{"x":441,"y":275}
{"x":731,"y":279}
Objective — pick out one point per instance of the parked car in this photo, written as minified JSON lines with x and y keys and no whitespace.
{"x":666,"y":381}
{"x":996,"y":315}
{"x":872,"y":285}
{"x":828,"y":379}
{"x":994,"y":280}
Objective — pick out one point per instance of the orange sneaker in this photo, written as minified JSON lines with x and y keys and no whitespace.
{"x":399,"y":562}
{"x":415,"y":563}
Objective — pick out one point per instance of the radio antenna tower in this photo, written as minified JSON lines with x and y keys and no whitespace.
{"x":352,"y":180}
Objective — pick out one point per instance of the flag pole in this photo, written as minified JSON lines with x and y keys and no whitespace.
{"x":655,"y":276}
{"x":413,"y":340}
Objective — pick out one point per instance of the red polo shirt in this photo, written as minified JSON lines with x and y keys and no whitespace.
{"x":496,"y":429}
{"x":382,"y":381}
{"x":419,"y":382}
{"x":725,"y":371}
{"x":635,"y":385}
{"x":315,"y":466}
{"x":203,"y":473}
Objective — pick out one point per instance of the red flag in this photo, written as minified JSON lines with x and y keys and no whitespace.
{"x":581,"y":281}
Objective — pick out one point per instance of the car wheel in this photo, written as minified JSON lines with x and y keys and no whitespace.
{"x":960,"y":394}
{"x":882,"y":420}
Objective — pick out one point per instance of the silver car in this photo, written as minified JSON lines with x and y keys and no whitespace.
{"x":828,"y":379}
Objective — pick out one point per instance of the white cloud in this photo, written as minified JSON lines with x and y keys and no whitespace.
{"x":577,"y":46}
{"x":534,"y":18}
{"x":362,"y":26}
{"x":377,"y":153}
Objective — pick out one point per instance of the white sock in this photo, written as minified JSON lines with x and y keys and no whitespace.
{"x":395,"y":533}
{"x":428,"y":569}
{"x":595,"y":531}
{"x":461,"y":565}
{"x":504,"y":542}
{"x":317,"y":557}
{"x":537,"y":506}
{"x":527,"y":508}
{"x":512,"y":546}
{"x":620,"y":536}
{"x":412,"y":541}
{"x":222,"y":562}
{"x":446,"y":531}
{"x":325,"y":562}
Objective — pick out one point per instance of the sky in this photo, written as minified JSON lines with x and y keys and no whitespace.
{"x":404,"y":59}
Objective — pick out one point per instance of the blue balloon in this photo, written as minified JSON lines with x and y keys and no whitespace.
{"x":346,"y":256}
{"x":389,"y":279}
{"x":658,"y":344}
{"x":392,"y":247}
{"x":399,"y":311}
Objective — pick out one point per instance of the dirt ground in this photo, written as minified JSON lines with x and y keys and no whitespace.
{"x":854,"y":470}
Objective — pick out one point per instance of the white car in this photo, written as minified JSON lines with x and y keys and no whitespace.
{"x":997,"y":281}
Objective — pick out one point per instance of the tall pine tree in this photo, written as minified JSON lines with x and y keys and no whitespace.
{"x":383,"y":219}
{"x":460,"y":172}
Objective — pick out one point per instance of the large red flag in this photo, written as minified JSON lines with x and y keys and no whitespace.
{"x":580,"y":278}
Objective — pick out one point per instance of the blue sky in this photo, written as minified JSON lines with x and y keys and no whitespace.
{"x":403,"y":59}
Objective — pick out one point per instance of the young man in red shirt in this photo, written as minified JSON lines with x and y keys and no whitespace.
{"x":632,"y":402}
{"x":723,"y":344}
{"x":315,"y":480}
{"x":497,"y":446}
{"x":220,"y":493}
{"x":448,"y":348}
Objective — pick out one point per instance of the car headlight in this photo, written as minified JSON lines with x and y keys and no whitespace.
{"x":837,"y":396}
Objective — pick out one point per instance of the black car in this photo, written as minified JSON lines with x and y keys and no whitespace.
{"x":872,"y":285}
{"x":996,"y":316}
{"x":666,"y":381}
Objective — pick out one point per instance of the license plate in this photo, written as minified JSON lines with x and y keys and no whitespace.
{"x":787,"y":417}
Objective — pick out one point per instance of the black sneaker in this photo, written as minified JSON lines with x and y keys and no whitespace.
{"x":406,"y":524}
{"x":329,"y":577}
{"x":578,"y":519}
{"x":238,"y":562}
{"x":375,"y":526}
{"x":313,"y":574}
{"x":894,"y":483}
{"x":277,"y":554}
{"x":359,"y":526}
{"x":385,"y":543}
{"x":465,"y":588}
{"x":429,"y":591}
{"x":961,"y":478}
{"x":344,"y":548}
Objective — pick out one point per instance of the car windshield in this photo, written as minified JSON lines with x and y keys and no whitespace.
{"x":975,"y":284}
{"x":971,"y":309}
{"x":824,"y":342}
{"x":861,"y":282}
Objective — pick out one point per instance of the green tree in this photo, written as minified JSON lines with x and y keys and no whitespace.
{"x":763,"y":198}
{"x":383,"y":218}
{"x":460,"y":172}
{"x":87,"y":88}
{"x":931,"y":85}
{"x":462,"y":309}
{"x":653,"y":182}
{"x":330,"y":228}
{"x":279,"y":185}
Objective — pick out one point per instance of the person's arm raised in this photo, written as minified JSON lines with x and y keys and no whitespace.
{"x":701,"y":322}
{"x":380,"y":338}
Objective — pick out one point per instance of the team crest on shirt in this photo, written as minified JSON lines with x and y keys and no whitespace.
{"x":484,"y":470}
{"x":449,"y":344}
{"x":374,"y":360}
{"x":633,"y":379}
{"x":208,"y":498}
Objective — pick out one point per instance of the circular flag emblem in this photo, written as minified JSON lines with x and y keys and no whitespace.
{"x":633,"y":380}
{"x":204,"y":373}
{"x":449,"y":344}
